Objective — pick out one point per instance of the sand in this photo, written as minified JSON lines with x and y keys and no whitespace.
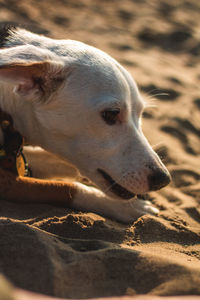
{"x":63,"y":253}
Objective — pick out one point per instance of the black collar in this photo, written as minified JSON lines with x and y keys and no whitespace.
{"x":11,"y":151}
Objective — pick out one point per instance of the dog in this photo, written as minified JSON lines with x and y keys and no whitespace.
{"x":79,"y":111}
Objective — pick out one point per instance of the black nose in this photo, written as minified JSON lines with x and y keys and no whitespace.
{"x":158,"y":179}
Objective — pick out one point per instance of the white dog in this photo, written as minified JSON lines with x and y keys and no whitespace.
{"x":84,"y":109}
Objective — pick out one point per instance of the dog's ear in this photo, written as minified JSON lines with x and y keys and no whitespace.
{"x":34,"y":72}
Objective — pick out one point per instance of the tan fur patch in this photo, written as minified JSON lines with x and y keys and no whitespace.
{"x":24,"y":189}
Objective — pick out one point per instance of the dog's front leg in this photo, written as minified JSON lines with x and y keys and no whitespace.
{"x":24,"y":189}
{"x":74,"y":195}
{"x":126,"y":211}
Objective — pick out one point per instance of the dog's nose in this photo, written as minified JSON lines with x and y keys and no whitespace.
{"x":158,"y":179}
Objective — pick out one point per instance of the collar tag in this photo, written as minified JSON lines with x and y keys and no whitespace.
{"x":2,"y":153}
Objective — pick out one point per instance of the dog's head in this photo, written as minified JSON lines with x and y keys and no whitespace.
{"x":88,"y":110}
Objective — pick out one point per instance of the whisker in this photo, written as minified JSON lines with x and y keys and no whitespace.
{"x":118,"y":182}
{"x":157,"y":145}
{"x":131,"y":204}
{"x":110,"y":186}
{"x":154,"y":95}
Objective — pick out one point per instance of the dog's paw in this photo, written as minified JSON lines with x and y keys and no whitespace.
{"x":132,"y":209}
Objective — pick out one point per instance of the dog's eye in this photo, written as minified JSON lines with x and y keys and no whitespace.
{"x":110,"y":116}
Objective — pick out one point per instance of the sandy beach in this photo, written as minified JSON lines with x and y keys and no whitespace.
{"x":71,"y":254}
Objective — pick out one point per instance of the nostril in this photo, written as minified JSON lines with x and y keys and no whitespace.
{"x":158,"y":179}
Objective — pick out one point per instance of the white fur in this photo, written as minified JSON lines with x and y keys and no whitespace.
{"x":62,"y":115}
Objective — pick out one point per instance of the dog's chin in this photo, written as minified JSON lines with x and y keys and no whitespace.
{"x":115,"y":189}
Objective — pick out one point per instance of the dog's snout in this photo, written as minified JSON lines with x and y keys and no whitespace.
{"x":158,"y":179}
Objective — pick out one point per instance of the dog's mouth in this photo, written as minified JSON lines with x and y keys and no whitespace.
{"x":115,"y":187}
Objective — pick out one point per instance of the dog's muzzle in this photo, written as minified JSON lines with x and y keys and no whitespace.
{"x":115,"y":187}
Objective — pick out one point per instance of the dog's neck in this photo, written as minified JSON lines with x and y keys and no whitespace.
{"x":22,"y":114}
{"x":27,"y":121}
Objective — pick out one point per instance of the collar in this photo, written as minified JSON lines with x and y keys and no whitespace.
{"x":11,"y":151}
